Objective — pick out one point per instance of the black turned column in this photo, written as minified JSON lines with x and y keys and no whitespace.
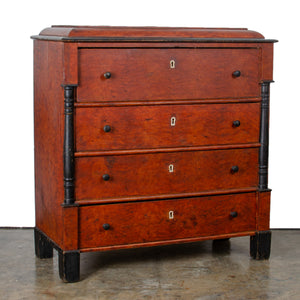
{"x":69,"y":265}
{"x":69,"y":92}
{"x":43,"y":247}
{"x":260,"y":243}
{"x":264,"y":135}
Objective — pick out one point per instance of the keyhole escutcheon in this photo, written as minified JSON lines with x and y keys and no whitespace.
{"x":173,"y":121}
{"x":172,"y":64}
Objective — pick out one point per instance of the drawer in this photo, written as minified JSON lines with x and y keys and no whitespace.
{"x":159,"y":74}
{"x":140,"y":127}
{"x":142,"y":222}
{"x":114,"y":177}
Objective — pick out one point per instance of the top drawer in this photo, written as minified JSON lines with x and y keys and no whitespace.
{"x":167,"y":74}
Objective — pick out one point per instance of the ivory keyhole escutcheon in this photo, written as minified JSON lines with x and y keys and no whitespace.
{"x":173,"y":121}
{"x":171,"y":168}
{"x":172,"y":64}
{"x":171,"y":214}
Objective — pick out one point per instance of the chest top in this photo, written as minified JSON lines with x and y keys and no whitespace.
{"x":148,"y":34}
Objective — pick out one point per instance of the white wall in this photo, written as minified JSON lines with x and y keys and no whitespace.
{"x":20,"y":19}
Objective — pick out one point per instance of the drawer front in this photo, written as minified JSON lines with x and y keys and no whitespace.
{"x":164,"y":173}
{"x":159,"y":74}
{"x":140,"y":127}
{"x":142,"y":222}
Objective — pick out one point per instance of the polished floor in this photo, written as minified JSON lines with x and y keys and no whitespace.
{"x":192,"y":271}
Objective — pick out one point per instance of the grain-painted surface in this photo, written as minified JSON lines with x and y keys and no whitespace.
{"x":148,"y":174}
{"x":138,"y":102}
{"x":263,"y":208}
{"x":142,"y":32}
{"x":48,"y":137}
{"x":145,"y":74}
{"x":150,"y":221}
{"x":70,"y":228}
{"x":141,"y":127}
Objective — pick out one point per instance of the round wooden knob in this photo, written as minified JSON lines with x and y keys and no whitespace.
{"x":107,"y":75}
{"x":236,"y":123}
{"x":234,"y":169}
{"x":236,"y":73}
{"x":233,"y":214}
{"x":107,"y":128}
{"x":106,"y":226}
{"x":105,"y":177}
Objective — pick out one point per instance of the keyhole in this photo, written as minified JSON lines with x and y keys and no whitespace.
{"x":173,"y":121}
{"x":171,"y":214}
{"x":171,"y":168}
{"x":172,"y":64}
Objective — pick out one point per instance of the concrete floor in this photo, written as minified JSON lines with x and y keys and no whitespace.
{"x":191,"y":271}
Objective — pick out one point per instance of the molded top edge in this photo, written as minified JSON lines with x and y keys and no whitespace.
{"x":97,"y":32}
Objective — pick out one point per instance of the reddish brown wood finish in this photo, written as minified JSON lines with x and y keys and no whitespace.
{"x":142,"y":32}
{"x":48,"y":136}
{"x":138,"y":102}
{"x":145,"y":74}
{"x":143,"y":222}
{"x":170,"y":242}
{"x":267,"y":62}
{"x":263,"y":210}
{"x":150,"y":127}
{"x":70,"y":69}
{"x":70,"y":228}
{"x":52,"y":219}
{"x":148,"y":174}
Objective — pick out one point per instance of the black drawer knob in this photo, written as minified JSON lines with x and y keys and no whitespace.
{"x":107,"y":128}
{"x":234,"y":169}
{"x":236,"y":123}
{"x":233,"y":214}
{"x":106,"y":226}
{"x":236,"y":73}
{"x":107,"y":75}
{"x":105,"y":177}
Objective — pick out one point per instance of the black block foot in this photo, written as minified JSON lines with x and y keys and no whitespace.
{"x":42,"y":245}
{"x":260,"y":245}
{"x":69,"y":265}
{"x":221,"y":246}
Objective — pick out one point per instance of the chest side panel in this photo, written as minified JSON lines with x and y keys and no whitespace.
{"x":48,"y":137}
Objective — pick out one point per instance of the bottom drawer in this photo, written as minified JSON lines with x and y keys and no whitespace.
{"x":150,"y":221}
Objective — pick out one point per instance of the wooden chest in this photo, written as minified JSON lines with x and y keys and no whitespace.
{"x":149,"y":136}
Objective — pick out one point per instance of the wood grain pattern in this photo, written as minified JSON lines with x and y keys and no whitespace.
{"x":165,"y":150}
{"x":166,"y":102}
{"x":138,"y":102}
{"x":263,"y":211}
{"x":267,"y":62}
{"x":48,"y":137}
{"x":150,"y":127}
{"x":70,"y":66}
{"x":148,"y":174}
{"x":145,"y":74}
{"x":169,"y":242}
{"x":167,"y":196}
{"x":149,"y":221}
{"x":70,"y":227}
{"x":150,"y":31}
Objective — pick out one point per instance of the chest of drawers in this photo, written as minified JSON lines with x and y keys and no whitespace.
{"x":149,"y":136}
